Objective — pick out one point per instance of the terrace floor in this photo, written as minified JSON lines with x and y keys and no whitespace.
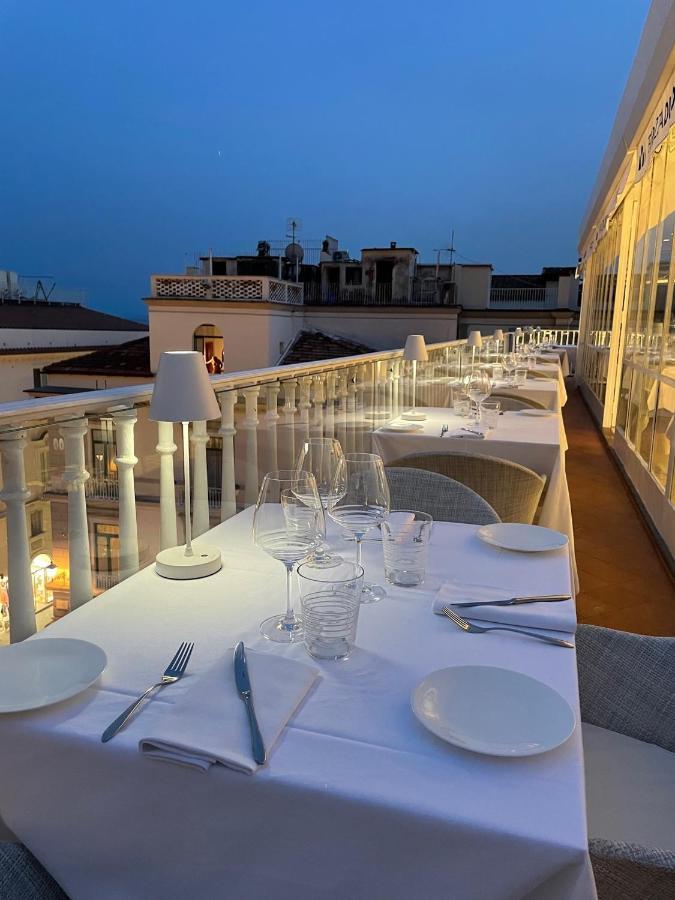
{"x":624,"y":582}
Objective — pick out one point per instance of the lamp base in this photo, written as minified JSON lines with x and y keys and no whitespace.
{"x":173,"y":563}
{"x":413,"y":416}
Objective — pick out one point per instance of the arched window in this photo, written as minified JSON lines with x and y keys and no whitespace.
{"x":209,"y":342}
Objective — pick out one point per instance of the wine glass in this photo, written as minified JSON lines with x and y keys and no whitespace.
{"x":478,"y":386}
{"x":510,"y":365}
{"x":287,"y":524}
{"x":360,"y":502}
{"x":321,"y":457}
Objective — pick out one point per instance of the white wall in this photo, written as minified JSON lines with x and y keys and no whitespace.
{"x":16,"y":372}
{"x":383,"y":328}
{"x":56,"y":337}
{"x":473,"y":286}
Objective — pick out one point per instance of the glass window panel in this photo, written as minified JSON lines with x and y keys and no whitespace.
{"x":664,"y":431}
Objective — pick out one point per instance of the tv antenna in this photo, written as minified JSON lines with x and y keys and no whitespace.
{"x":450,"y":250}
{"x":294,"y":250}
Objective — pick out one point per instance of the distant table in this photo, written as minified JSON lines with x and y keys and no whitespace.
{"x":358,"y":799}
{"x":538,"y":443}
{"x":557,"y":355}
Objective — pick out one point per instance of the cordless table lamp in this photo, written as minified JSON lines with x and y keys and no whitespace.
{"x":475,"y":341}
{"x":415,"y":351}
{"x":183,"y":393}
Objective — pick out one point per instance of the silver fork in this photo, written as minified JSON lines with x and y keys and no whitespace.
{"x":444,"y":430}
{"x":173,"y":672}
{"x":479,"y":629}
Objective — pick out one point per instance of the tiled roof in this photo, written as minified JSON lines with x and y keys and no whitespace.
{"x":69,"y":316}
{"x":311,"y":346}
{"x":131,"y":358}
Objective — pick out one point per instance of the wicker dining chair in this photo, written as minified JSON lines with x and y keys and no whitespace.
{"x":626,"y":686}
{"x":513,"y":402}
{"x":23,"y":878}
{"x":513,"y":491}
{"x":444,"y":499}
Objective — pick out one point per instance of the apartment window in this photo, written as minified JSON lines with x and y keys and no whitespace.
{"x":354,"y":275}
{"x":106,"y":547}
{"x":103,"y":451}
{"x":36,"y":523}
{"x":44,"y":470}
{"x":208,"y":341}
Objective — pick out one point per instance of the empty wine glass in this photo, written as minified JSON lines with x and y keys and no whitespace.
{"x":478,"y":386}
{"x":321,"y":457}
{"x":364,"y":504}
{"x":510,"y":364}
{"x":288,"y":525}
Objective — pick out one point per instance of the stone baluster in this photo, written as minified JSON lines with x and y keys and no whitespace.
{"x":319,"y":383}
{"x":228,"y":488}
{"x":389,"y":389}
{"x":200,"y":479}
{"x":304,"y":406}
{"x":353,"y":419}
{"x":168,"y":530}
{"x":362,"y":383}
{"x":15,"y":495}
{"x":124,"y":421}
{"x":271,"y":419}
{"x":396,"y":384}
{"x":75,"y":476}
{"x":342,"y":393}
{"x":289,"y":388}
{"x":329,"y":414}
{"x":250,"y":426}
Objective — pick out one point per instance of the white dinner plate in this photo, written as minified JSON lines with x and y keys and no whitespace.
{"x":40,"y":672}
{"x":414,"y":416}
{"x":537,"y":413}
{"x":403,"y":426}
{"x":492,"y":710}
{"x":524,"y":538}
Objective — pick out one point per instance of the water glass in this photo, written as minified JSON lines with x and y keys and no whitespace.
{"x":520,"y":376}
{"x":405,"y":540}
{"x":331,"y":599}
{"x":491,"y":411}
{"x":497,"y":372}
{"x":462,"y":405}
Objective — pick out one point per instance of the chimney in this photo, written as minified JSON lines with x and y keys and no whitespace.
{"x":392,"y":245}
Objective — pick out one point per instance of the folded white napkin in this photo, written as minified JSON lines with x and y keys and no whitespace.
{"x":558,"y":616}
{"x":469,"y":435}
{"x":209,"y":725}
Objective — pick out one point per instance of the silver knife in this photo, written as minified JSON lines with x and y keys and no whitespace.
{"x":516,"y":601}
{"x":243,"y":683}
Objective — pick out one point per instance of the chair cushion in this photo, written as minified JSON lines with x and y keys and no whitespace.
{"x":630,"y":786}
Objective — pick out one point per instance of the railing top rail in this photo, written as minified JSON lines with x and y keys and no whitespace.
{"x":25,"y":413}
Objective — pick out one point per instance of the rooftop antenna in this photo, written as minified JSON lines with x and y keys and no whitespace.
{"x":294,"y":251}
{"x":450,"y":250}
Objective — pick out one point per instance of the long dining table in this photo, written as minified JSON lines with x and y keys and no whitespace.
{"x":357,"y":800}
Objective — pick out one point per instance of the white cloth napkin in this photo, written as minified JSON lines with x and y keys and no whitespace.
{"x":209,"y":725}
{"x":469,"y":435}
{"x":558,"y":616}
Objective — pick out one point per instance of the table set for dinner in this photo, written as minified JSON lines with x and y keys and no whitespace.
{"x":407,"y":726}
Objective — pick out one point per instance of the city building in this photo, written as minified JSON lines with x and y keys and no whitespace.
{"x":37,"y":330}
{"x":627,"y":344}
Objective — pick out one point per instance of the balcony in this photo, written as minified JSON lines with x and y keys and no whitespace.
{"x":241,"y":288}
{"x":523,"y":298}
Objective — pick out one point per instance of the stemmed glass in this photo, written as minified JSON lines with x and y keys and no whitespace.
{"x":322,"y":457}
{"x":288,"y":524}
{"x":478,"y":386}
{"x":510,"y":365}
{"x":360,"y":502}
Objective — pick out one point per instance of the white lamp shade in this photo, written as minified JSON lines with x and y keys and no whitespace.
{"x":415,"y":348}
{"x":475,"y":339}
{"x":182,"y":391}
{"x":498,"y":335}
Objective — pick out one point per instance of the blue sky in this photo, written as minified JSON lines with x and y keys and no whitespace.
{"x":136,"y":134}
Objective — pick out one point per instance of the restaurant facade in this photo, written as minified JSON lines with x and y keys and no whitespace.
{"x":626,"y":360}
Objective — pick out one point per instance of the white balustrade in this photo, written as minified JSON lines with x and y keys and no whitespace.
{"x":396,"y":387}
{"x":304,"y":406}
{"x":329,"y":414}
{"x":124,"y":422}
{"x":168,"y":529}
{"x":200,"y":479}
{"x":352,"y":430}
{"x":228,"y":496}
{"x":15,"y":495}
{"x":75,"y":477}
{"x":271,"y":419}
{"x":342,"y":393}
{"x":318,"y":382}
{"x":250,"y":427}
{"x":289,"y":388}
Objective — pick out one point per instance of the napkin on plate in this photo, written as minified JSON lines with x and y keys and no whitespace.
{"x":558,"y":616}
{"x":470,"y":435}
{"x":209,"y":725}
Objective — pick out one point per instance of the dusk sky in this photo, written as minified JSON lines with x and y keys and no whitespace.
{"x":138,"y":134}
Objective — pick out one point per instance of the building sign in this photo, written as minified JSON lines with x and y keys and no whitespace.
{"x":657,"y":129}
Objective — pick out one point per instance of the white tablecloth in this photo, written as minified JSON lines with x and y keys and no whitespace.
{"x":358,"y":799}
{"x":557,"y":356}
